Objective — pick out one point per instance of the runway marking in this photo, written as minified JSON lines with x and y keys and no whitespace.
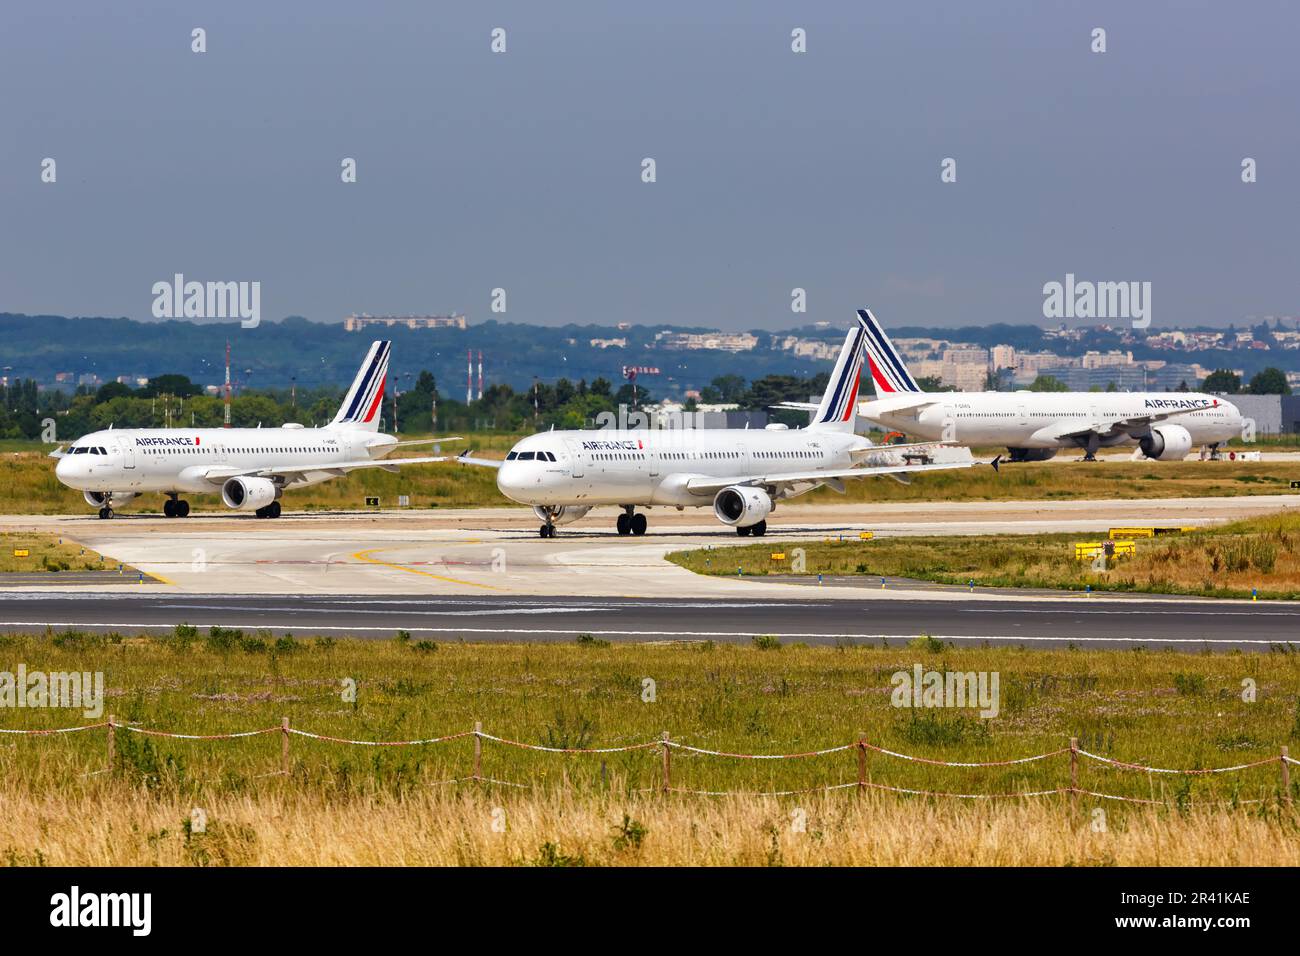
{"x":299,"y":626}
{"x":365,"y":556}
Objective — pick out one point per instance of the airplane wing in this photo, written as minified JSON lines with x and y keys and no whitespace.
{"x":704,"y":485}
{"x":424,"y":441}
{"x":335,"y":468}
{"x":468,"y":459}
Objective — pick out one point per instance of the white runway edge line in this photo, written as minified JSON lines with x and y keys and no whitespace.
{"x":682,"y":635}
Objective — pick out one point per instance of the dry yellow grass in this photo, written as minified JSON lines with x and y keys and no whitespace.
{"x":476,"y":827}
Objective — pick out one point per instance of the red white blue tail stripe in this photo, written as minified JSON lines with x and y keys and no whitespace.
{"x":361,"y":404}
{"x":888,"y":371}
{"x":839,"y":404}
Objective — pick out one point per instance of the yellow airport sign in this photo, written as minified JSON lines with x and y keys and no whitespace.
{"x":1083,"y":550}
{"x":22,"y":553}
{"x":1145,"y":532}
{"x":778,"y":555}
{"x":866,"y":535}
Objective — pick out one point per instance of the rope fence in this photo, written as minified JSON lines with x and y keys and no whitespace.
{"x":666,"y":745}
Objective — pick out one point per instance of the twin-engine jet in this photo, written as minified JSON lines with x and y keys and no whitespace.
{"x":250,"y":467}
{"x":740,"y":473}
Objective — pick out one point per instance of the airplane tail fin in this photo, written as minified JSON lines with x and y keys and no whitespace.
{"x":360,"y":408}
{"x":839,"y":405}
{"x":889,"y":374}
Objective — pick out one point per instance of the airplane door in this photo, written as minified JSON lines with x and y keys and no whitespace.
{"x":1094,"y":420}
{"x":1022,"y":415}
{"x":576,"y":454}
{"x":949,"y":432}
{"x":128,"y":453}
{"x":220,"y":452}
{"x":652,"y":457}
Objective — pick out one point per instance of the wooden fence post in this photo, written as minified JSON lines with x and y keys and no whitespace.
{"x":1074,"y":774}
{"x":667,"y":762}
{"x":284,"y":746}
{"x":1286,"y":775}
{"x":478,"y":750}
{"x":112,"y":741}
{"x":862,"y":764}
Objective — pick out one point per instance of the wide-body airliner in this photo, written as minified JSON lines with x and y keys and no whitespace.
{"x":1034,"y":426}
{"x":740,"y":473}
{"x":250,"y":467}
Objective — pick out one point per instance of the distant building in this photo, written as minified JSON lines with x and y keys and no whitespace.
{"x":355,"y":323}
{"x":719,"y":341}
{"x":609,"y":343}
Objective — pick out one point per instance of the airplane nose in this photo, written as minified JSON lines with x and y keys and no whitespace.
{"x":65,"y":470}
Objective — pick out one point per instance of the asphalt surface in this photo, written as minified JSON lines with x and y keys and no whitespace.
{"x":1085,"y":622}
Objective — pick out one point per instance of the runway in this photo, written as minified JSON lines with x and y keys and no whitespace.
{"x":485,"y":575}
{"x":1083,"y":622}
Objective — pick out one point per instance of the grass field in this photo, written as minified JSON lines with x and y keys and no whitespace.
{"x":28,"y":485}
{"x":1224,"y":561}
{"x":358,"y":805}
{"x":48,"y":553}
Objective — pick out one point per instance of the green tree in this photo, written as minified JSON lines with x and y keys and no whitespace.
{"x":1222,"y":381}
{"x":1048,"y":383}
{"x":1269,"y":381}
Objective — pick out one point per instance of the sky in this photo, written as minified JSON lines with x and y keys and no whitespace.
{"x":774,"y":170}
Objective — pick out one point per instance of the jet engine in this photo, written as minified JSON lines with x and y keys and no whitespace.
{"x":248,"y":494}
{"x":565,"y":514}
{"x":742,"y":506}
{"x":1031,"y":454}
{"x":99,"y":499}
{"x":1166,"y":442}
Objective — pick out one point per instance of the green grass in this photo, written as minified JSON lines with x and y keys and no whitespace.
{"x":1165,"y":709}
{"x":48,"y":553}
{"x":1226,"y":561}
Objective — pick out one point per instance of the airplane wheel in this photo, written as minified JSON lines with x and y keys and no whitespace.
{"x":169,"y":508}
{"x":182,"y":509}
{"x":743,"y":532}
{"x":624,"y":524}
{"x":105,"y":513}
{"x":759,"y":529}
{"x":263,"y":512}
{"x":638,"y":523}
{"x":547,"y":531}
{"x":273,"y":509}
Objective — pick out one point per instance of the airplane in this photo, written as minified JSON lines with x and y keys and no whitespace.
{"x":1034,"y":426}
{"x":250,"y":467}
{"x":740,"y":473}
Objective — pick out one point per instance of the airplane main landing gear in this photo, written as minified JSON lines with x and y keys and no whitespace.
{"x":757,"y":530}
{"x":547,"y":530}
{"x":174,"y":507}
{"x":105,"y":512}
{"x":631,"y":522}
{"x":270,"y":511}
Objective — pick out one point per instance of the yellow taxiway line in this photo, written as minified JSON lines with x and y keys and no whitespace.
{"x":365,"y":556}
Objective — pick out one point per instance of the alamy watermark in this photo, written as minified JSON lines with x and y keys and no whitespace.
{"x":74,"y":690}
{"x":1084,"y":299}
{"x":179,"y":299}
{"x":921,"y":688}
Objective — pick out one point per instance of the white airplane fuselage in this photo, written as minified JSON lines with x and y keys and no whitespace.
{"x":652,"y":466}
{"x":174,"y":460}
{"x":1024,"y":419}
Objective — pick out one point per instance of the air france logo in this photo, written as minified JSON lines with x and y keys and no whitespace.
{"x":168,"y":441}
{"x":1181,"y":403}
{"x":628,"y":445}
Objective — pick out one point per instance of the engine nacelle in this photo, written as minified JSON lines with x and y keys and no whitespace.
{"x":565,"y":514}
{"x":99,"y":499}
{"x":249,"y":494}
{"x":1166,"y":442}
{"x":741,"y":506}
{"x":1031,"y":454}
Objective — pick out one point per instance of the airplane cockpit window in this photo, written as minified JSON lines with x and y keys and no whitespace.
{"x":512,"y":456}
{"x":525,"y":456}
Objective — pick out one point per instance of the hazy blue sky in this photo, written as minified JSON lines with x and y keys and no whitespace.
{"x":775,"y":169}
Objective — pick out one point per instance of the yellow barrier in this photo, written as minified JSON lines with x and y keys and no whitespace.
{"x":1083,"y":550}
{"x":1145,"y":532}
{"x":866,"y":535}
